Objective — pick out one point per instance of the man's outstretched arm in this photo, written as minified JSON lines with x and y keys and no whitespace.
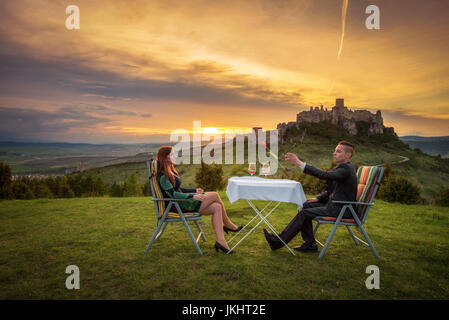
{"x":339,"y":173}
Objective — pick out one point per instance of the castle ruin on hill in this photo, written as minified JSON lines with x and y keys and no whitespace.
{"x":340,"y":116}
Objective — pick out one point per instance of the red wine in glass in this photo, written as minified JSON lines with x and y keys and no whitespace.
{"x":252,"y":168}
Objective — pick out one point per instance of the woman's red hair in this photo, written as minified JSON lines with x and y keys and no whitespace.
{"x":164,"y":165}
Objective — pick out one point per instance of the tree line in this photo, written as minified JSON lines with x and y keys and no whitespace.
{"x":393,"y":188}
{"x":74,"y":185}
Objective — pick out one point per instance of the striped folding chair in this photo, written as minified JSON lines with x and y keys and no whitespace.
{"x":168,"y":210}
{"x":368,"y":183}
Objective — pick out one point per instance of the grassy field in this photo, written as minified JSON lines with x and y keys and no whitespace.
{"x":106,"y":239}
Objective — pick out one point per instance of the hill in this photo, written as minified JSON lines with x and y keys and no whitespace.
{"x":315,"y":143}
{"x":430,"y":145}
{"x":61,"y":157}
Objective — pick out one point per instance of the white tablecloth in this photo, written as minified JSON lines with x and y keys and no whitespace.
{"x":256,"y":188}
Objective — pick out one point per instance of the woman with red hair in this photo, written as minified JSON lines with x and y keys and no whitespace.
{"x":206,"y":203}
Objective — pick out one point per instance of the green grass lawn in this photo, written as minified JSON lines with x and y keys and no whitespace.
{"x":106,"y":239}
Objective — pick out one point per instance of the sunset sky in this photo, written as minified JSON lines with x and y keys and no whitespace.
{"x":136,"y":70}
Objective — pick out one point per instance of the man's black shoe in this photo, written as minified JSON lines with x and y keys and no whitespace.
{"x":307,"y":247}
{"x":274,"y":242}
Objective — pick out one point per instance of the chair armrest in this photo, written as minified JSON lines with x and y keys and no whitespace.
{"x":170,"y":199}
{"x":353,"y":202}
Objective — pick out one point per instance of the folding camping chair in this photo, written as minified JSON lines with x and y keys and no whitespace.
{"x":368,"y":183}
{"x":165,"y":215}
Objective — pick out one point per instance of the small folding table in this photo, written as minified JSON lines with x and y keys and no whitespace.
{"x":256,"y":188}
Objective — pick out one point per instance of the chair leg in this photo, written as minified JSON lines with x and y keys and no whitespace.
{"x":314,"y":233}
{"x":159,"y":225}
{"x":316,"y":228}
{"x":192,"y":237}
{"x":201,"y":231}
{"x":162,"y":231}
{"x":369,"y":241}
{"x":328,"y":241}
{"x":353,"y":236}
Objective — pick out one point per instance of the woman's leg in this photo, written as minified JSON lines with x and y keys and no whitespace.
{"x":226,"y":221}
{"x":210,"y":198}
{"x":217,"y":221}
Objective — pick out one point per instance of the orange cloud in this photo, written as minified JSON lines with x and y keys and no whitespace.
{"x":272,"y":58}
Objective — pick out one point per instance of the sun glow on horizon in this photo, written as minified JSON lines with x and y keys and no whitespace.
{"x":203,"y":130}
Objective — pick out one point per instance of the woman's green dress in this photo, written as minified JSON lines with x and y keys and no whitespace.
{"x":176,"y":192}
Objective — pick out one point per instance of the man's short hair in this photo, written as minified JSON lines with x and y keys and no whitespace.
{"x":349,"y":147}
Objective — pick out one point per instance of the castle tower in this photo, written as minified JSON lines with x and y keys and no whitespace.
{"x":256,"y":130}
{"x":340,"y":103}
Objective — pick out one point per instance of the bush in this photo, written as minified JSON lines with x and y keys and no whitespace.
{"x":42,"y":191}
{"x":443,"y":198}
{"x":5,"y":181}
{"x":100,"y":186}
{"x":53,"y":184}
{"x":399,"y":189}
{"x":388,"y":172}
{"x":21,"y":190}
{"x":239,"y":171}
{"x":64,"y":191}
{"x":132,"y":188}
{"x":89,"y":185}
{"x":76,"y":184}
{"x":117,"y":190}
{"x":210,"y":177}
{"x":147,"y":189}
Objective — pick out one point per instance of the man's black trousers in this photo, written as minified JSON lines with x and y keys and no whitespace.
{"x":303,"y":220}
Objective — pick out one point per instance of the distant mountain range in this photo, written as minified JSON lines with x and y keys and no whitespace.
{"x":63,"y":157}
{"x":430,"y":145}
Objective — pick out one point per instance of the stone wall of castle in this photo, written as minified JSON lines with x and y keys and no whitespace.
{"x":340,"y":116}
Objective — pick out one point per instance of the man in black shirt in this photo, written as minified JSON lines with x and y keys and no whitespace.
{"x":341,"y":185}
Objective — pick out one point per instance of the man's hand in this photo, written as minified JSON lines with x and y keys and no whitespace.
{"x":292,"y":158}
{"x":312,"y":200}
{"x":199,"y":190}
{"x":199,"y":197}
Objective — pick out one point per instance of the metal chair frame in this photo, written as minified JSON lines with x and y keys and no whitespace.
{"x":164,"y":219}
{"x":348,"y":205}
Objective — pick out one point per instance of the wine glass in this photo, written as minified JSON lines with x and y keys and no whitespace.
{"x":265,"y":170}
{"x":252,"y":168}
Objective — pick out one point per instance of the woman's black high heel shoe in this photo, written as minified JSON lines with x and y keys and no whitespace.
{"x":225,"y":229}
{"x":219,"y":246}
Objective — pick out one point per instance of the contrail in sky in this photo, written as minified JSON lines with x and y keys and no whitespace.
{"x":344,"y":9}
{"x":343,"y":22}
